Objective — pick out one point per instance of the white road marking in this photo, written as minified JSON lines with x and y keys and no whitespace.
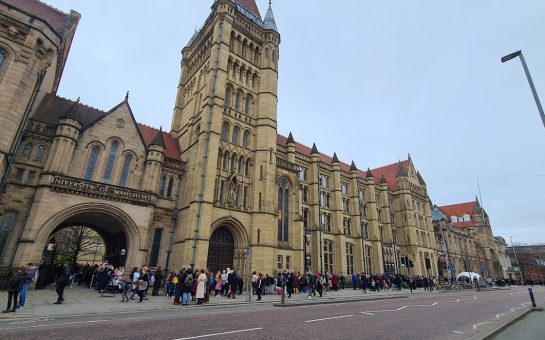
{"x":222,"y":333}
{"x":498,"y":316}
{"x":457,"y":332}
{"x":400,"y":308}
{"x":481,"y":323}
{"x":367,"y":313}
{"x":333,"y":317}
{"x":29,"y":321}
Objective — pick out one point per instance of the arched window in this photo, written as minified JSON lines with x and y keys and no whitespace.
{"x":110,"y":162}
{"x":283,"y":209}
{"x":27,"y":150}
{"x":234,"y":137}
{"x":237,"y":101}
{"x":39,"y":153}
{"x":245,"y":138}
{"x":125,"y":171}
{"x":240,"y":164}
{"x":349,"y":258}
{"x":328,"y":256}
{"x":155,"y":246}
{"x":3,"y":58}
{"x":170,"y":186}
{"x":228,"y":95}
{"x":7,"y":225}
{"x":163,"y":185}
{"x":220,"y":154}
{"x":232,"y":42}
{"x":247,"y":167}
{"x":91,"y":164}
{"x":224,"y":131}
{"x":233,"y":162}
{"x":225,"y":160}
{"x":274,"y":59}
{"x":247,"y":104}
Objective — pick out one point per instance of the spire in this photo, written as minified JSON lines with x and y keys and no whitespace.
{"x":353,"y":166}
{"x":158,"y":139}
{"x":127,"y":96}
{"x":400,"y":170}
{"x":383,"y":180}
{"x":73,"y":112}
{"x":335,"y":159}
{"x":314,"y":149}
{"x":369,"y":173}
{"x":290,"y":139}
{"x":269,"y":22}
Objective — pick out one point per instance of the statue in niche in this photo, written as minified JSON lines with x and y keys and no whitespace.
{"x":232,"y":189}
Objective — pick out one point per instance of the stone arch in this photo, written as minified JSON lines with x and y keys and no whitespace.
{"x":128,"y":226}
{"x":240,"y":235}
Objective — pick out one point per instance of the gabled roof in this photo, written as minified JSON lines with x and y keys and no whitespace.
{"x":251,"y":6}
{"x":390,"y":172}
{"x":459,"y":209}
{"x":56,"y":19}
{"x":172,"y":149}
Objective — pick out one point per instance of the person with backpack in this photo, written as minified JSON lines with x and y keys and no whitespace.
{"x":32,"y":276}
{"x":187,"y":280}
{"x":15,"y":285}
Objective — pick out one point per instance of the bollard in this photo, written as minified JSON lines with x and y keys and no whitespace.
{"x":283,"y":295}
{"x":532,"y":297}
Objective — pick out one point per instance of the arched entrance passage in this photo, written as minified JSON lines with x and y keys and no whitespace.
{"x":221,"y":250}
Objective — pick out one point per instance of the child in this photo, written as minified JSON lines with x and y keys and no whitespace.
{"x":218,"y":287}
{"x":124,"y":288}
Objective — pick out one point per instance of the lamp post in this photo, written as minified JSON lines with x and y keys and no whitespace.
{"x":532,"y":87}
{"x":516,"y":259}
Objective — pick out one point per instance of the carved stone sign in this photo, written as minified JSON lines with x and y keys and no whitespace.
{"x":100,"y":189}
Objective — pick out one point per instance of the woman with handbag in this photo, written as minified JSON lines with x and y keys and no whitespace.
{"x":143,"y":282}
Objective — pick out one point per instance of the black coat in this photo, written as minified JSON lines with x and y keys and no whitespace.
{"x":15,"y":283}
{"x":233,"y":281}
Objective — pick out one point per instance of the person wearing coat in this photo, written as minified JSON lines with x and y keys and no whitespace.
{"x":62,"y":281}
{"x":233,"y":284}
{"x":15,"y":284}
{"x":201,"y":287}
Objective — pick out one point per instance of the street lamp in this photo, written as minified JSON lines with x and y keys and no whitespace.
{"x":516,"y":259}
{"x":532,"y":87}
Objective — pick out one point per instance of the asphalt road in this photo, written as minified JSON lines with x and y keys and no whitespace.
{"x":436,"y":316}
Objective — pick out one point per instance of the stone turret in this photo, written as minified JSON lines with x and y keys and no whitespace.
{"x":65,"y":140}
{"x":154,"y":163}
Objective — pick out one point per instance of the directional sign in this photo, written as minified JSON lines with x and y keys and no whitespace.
{"x":247,"y":250}
{"x":450,"y":266}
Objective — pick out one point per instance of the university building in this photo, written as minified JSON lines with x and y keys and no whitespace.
{"x":221,"y":189}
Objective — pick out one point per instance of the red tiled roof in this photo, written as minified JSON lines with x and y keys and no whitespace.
{"x":466,"y":224}
{"x":52,"y":16}
{"x":459,"y":209}
{"x":172,"y":149}
{"x":389,"y":172}
{"x":251,"y":6}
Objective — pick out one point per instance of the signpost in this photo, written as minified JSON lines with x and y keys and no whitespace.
{"x":249,"y":283}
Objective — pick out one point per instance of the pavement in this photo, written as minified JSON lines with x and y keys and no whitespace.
{"x":81,"y":301}
{"x":530,"y":326}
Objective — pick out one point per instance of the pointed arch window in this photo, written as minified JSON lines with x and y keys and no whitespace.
{"x":228,"y":95}
{"x":234,"y":137}
{"x":245,"y":139}
{"x":3,"y":58}
{"x":220,"y":154}
{"x":240,"y":164}
{"x":27,"y":151}
{"x":225,"y":160}
{"x":125,"y":171}
{"x":237,"y":101}
{"x":328,"y":256}
{"x":163,"y":185}
{"x":233,"y":162}
{"x":170,"y":186}
{"x":283,"y":209}
{"x":247,"y":167}
{"x":91,"y":164}
{"x":39,"y":153}
{"x":224,"y":131}
{"x":247,"y":104}
{"x":110,"y":162}
{"x":155,"y":246}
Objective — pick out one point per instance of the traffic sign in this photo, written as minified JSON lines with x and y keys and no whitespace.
{"x":450,"y":266}
{"x":247,"y":250}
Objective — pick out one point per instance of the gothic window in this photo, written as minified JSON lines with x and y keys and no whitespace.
{"x":163,"y":186}
{"x":245,"y":139}
{"x":170,"y":185}
{"x":233,"y":162}
{"x":328,"y":256}
{"x":39,"y":153}
{"x":27,"y":150}
{"x":368,"y":258}
{"x":3,"y":58}
{"x":234,"y":137}
{"x":125,"y":171}
{"x":224,"y":131}
{"x":237,"y":101}
{"x":240,"y":165}
{"x":245,"y":197}
{"x":228,"y":95}
{"x":274,"y":58}
{"x":220,"y":154}
{"x":92,"y":162}
{"x":247,"y":104}
{"x":110,"y":161}
{"x":7,"y":225}
{"x":349,"y":258}
{"x":155,"y":246}
{"x":347,"y":227}
{"x":283,"y":209}
{"x":225,"y":160}
{"x":232,"y":42}
{"x":247,"y":167}
{"x":256,"y":56}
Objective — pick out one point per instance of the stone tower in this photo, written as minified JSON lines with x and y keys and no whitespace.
{"x":225,"y":121}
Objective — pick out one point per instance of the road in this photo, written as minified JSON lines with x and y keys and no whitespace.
{"x":453,"y":315}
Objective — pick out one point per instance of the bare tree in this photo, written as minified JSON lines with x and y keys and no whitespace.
{"x":76,"y":241}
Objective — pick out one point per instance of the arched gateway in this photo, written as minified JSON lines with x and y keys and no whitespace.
{"x":115,"y":227}
{"x":221,"y":250}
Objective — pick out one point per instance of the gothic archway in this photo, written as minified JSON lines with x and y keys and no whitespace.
{"x":221,"y":250}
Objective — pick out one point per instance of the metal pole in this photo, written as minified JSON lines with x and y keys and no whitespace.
{"x":362,"y":248}
{"x":516,"y":259}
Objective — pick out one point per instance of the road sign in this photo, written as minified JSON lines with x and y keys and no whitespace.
{"x":247,"y":250}
{"x":450,"y":266}
{"x":484,"y":269}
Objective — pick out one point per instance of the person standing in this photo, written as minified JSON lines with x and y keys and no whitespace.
{"x":233,"y":284}
{"x":31,"y":276}
{"x":187,"y":285}
{"x":15,"y":285}
{"x":143,"y":283}
{"x":259,"y":286}
{"x":158,"y":280}
{"x":62,"y":280}
{"x":201,"y":287}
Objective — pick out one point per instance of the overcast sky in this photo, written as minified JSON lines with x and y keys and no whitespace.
{"x":370,"y":80}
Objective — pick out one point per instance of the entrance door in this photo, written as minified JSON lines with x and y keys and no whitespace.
{"x":220,"y":250}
